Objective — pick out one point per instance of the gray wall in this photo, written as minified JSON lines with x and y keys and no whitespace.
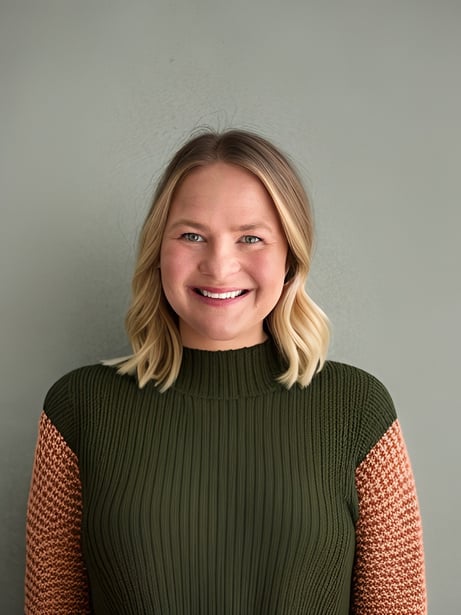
{"x":365,"y":95}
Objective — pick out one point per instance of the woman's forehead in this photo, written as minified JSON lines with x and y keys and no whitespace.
{"x":220,"y":189}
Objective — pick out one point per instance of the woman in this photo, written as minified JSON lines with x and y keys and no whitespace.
{"x":225,"y":466}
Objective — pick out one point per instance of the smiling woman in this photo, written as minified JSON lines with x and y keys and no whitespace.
{"x":257,"y":174}
{"x":225,"y":466}
{"x":220,"y":281}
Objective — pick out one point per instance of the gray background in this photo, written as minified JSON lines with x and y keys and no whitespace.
{"x":365,"y":96}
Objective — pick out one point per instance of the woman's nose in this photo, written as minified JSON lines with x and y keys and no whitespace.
{"x":219,"y":262}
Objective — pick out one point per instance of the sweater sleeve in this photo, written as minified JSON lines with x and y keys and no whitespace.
{"x":55,"y":580}
{"x":389,"y":577}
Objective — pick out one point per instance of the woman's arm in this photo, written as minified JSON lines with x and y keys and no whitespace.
{"x":389,"y":577}
{"x":56,"y":580}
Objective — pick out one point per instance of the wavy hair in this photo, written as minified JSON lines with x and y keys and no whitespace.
{"x":297,"y":325}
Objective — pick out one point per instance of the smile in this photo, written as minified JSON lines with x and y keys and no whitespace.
{"x":232,"y":294}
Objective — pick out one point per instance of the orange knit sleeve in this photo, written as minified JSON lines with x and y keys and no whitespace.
{"x":389,"y":576}
{"x":56,"y":580}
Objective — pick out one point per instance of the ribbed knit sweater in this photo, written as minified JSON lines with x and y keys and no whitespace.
{"x":227,"y":494}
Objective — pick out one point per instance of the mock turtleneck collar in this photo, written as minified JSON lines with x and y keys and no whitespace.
{"x":225,"y":374}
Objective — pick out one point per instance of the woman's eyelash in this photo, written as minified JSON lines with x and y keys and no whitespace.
{"x":251,"y":239}
{"x":194,"y":237}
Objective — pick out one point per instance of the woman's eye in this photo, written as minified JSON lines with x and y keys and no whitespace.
{"x":250,"y":239}
{"x":194,"y":237}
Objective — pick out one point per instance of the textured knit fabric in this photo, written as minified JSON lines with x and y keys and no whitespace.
{"x":227,"y":494}
{"x":56,"y":580}
{"x":389,"y":550}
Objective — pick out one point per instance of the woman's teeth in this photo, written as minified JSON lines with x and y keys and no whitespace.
{"x":229,"y":295}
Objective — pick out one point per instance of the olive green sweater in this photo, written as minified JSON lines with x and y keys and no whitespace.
{"x":228,"y":493}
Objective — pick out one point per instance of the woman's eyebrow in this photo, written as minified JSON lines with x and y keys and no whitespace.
{"x":186,"y":222}
{"x":203,"y":227}
{"x":253,"y":226}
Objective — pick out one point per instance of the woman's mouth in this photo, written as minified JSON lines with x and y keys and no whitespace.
{"x":229,"y":294}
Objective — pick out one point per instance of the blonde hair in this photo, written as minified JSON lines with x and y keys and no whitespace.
{"x":298,"y":326}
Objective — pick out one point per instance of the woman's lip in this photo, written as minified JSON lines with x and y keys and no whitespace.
{"x":212,"y":289}
{"x":199,"y":291}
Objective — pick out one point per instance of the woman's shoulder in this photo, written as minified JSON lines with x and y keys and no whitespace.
{"x":81,"y":379}
{"x":339,"y":374}
{"x":362,"y":396}
{"x":79,"y":386}
{"x":74,"y":398}
{"x":334,"y":365}
{"x":358,"y":383}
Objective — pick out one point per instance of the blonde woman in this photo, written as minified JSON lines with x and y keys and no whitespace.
{"x":225,"y":467}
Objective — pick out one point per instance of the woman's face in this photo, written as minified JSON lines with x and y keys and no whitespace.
{"x":223,"y":258}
